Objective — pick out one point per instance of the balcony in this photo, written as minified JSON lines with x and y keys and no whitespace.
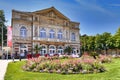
{"x":50,"y":39}
{"x":54,"y":40}
{"x":21,"y":38}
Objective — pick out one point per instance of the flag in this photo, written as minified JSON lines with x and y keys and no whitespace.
{"x":9,"y":36}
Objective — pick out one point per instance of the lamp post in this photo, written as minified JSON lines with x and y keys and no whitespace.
{"x":1,"y":21}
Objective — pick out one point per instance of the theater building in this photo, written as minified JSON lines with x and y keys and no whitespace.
{"x":48,"y":28}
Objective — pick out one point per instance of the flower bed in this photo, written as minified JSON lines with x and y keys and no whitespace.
{"x":105,"y":58}
{"x":64,"y":66}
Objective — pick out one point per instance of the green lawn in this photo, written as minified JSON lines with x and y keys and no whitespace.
{"x":14,"y":72}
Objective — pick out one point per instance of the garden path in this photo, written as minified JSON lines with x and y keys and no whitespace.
{"x":3,"y":67}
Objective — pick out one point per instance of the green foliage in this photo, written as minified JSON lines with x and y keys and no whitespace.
{"x":15,"y":72}
{"x":94,"y":54}
{"x":72,"y":65}
{"x":117,"y":39}
{"x":37,"y":49}
{"x":68,"y":50}
{"x":2,"y":24}
{"x":117,"y":34}
{"x":100,"y":42}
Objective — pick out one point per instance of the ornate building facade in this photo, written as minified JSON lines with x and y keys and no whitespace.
{"x":48,"y":28}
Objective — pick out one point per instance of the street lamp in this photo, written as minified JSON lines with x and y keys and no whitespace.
{"x":1,"y":21}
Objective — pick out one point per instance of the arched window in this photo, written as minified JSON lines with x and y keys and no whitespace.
{"x":52,"y":47}
{"x":52,"y":33}
{"x":73,"y":36}
{"x":52,"y":50}
{"x":23,"y":32}
{"x":60,"y":50}
{"x":43,"y":33}
{"x":43,"y":50}
{"x":60,"y":34}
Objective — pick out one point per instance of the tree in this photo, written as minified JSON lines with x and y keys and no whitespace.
{"x":117,"y":39}
{"x":84,"y":41}
{"x":2,"y":21}
{"x":91,"y":43}
{"x":98,"y":43}
{"x":68,"y":50}
{"x":105,"y":37}
{"x":101,"y":42}
{"x":117,"y":34}
{"x":37,"y":49}
{"x":111,"y":42}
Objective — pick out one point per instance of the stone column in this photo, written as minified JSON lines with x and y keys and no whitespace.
{"x":56,"y":49}
{"x":48,"y":49}
{"x":38,"y":30}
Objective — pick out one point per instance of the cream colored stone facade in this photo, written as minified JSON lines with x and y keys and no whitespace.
{"x":58,"y":31}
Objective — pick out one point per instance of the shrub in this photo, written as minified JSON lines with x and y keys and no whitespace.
{"x":105,"y":59}
{"x":64,"y":66}
{"x":94,"y":55}
{"x":87,"y":68}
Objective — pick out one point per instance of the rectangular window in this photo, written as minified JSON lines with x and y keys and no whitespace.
{"x":52,"y":35}
{"x":59,"y":36}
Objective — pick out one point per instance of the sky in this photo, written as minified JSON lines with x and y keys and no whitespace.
{"x":95,"y":16}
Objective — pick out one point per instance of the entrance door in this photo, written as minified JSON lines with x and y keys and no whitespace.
{"x":60,"y":50}
{"x":44,"y":50}
{"x":52,"y":50}
{"x":74,"y":51}
{"x":23,"y":49}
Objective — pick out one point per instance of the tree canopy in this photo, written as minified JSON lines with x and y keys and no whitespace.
{"x":99,"y":42}
{"x":2,"y":24}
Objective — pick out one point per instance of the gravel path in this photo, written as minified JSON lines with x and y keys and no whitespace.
{"x":3,"y":67}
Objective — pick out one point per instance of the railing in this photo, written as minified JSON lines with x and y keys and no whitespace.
{"x":54,"y":39}
{"x":45,"y":39}
{"x":21,"y":38}
{"x":51,"y":39}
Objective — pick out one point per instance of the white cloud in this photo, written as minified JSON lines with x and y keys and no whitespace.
{"x":93,"y":5}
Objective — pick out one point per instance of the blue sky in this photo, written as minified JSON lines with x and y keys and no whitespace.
{"x":95,"y":16}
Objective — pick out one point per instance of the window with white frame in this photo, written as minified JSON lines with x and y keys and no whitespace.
{"x":52,"y":50}
{"x":43,"y":50}
{"x":43,"y":33}
{"x":23,"y":32}
{"x":60,"y":50}
{"x":52,"y":33}
{"x":59,"y":34}
{"x":73,"y":36}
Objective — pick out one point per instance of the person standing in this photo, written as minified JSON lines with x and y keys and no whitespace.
{"x":25,"y":53}
{"x":13,"y":56}
{"x":21,"y":55}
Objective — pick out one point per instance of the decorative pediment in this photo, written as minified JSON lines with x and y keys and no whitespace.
{"x":51,"y":12}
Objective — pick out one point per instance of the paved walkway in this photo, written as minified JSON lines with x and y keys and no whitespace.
{"x":3,"y":67}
